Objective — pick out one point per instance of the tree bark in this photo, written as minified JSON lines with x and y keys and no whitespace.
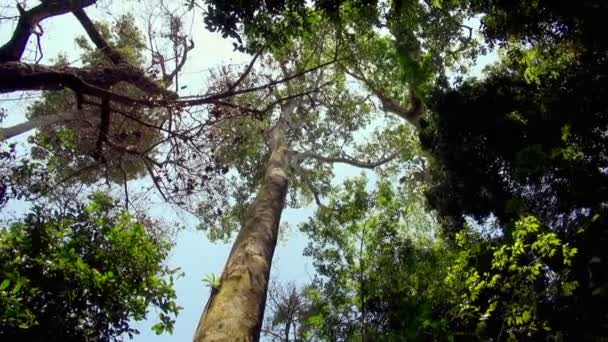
{"x":236,"y":310}
{"x":38,"y":122}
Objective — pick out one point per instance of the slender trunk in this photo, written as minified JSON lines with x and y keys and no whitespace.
{"x":287,"y":326}
{"x":362,"y":284}
{"x":236,"y":311}
{"x":38,"y":122}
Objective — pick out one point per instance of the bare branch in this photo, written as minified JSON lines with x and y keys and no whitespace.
{"x":154,"y":178}
{"x":168,"y":79}
{"x":246,"y":72}
{"x":214,"y":97}
{"x":295,"y":96}
{"x":79,"y":171}
{"x":345,"y":160}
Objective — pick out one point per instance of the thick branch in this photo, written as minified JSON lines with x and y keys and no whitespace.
{"x":15,"y":76}
{"x":391,"y":105}
{"x":96,"y":37}
{"x":411,"y":114}
{"x":28,"y":20}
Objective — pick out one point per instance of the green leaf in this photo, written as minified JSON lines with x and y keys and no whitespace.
{"x":5,"y":283}
{"x":158,"y":328}
{"x":18,"y":286}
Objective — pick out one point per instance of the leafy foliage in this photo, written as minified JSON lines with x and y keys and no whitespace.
{"x":320,"y":132}
{"x":377,"y":278}
{"x":274,"y":23}
{"x":525,"y":146}
{"x":83,"y":274}
{"x":512,"y":291}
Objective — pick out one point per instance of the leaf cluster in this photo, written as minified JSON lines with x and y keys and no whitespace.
{"x":82,"y":274}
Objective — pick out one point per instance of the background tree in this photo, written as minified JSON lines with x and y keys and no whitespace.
{"x":83,"y":273}
{"x":378,"y":277}
{"x":287,"y":313}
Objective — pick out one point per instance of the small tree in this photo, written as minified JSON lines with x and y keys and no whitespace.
{"x":379,"y":269}
{"x":287,"y":313}
{"x":83,"y":274}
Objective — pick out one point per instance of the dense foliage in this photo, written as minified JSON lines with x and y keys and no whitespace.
{"x":82,"y":273}
{"x":379,"y":272}
{"x":522,"y":150}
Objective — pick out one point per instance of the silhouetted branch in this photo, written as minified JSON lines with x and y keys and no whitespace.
{"x":29,"y":19}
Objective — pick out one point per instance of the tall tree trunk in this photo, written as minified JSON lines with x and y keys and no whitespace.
{"x":235,"y":310}
{"x":287,"y":326}
{"x":38,"y":122}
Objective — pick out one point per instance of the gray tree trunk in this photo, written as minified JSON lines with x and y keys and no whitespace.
{"x":235,"y":311}
{"x":38,"y":122}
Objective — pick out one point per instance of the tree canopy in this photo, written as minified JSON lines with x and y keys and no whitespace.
{"x":83,"y":273}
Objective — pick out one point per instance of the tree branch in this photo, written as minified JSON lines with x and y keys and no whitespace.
{"x":28,"y":20}
{"x":97,"y":38}
{"x":246,"y":72}
{"x":155,"y":179}
{"x":15,"y":76}
{"x":345,"y":160}
{"x":389,"y":104}
{"x":214,"y":97}
{"x":168,"y":79}
{"x":104,"y":127}
{"x":143,"y":82}
{"x":295,"y":165}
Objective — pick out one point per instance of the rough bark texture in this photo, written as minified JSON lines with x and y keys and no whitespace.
{"x":38,"y":122}
{"x":236,"y":310}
